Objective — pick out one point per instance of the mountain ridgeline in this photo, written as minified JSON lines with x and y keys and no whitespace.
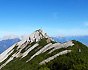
{"x":40,"y":52}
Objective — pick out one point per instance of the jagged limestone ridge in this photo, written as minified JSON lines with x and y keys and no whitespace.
{"x":34,"y":37}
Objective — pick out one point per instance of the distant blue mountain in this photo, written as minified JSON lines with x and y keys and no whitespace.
{"x":83,"y":39}
{"x":5,"y":44}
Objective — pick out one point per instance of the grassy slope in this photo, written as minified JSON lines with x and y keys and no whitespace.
{"x":72,"y":61}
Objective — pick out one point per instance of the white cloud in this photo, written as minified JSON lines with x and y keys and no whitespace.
{"x":12,"y":36}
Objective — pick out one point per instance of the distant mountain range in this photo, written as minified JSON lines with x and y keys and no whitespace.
{"x":83,"y":39}
{"x":8,"y":40}
{"x":5,"y":44}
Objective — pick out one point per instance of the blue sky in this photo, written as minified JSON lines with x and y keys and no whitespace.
{"x":65,"y":17}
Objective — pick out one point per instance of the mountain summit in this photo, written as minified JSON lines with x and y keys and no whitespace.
{"x":16,"y":49}
{"x":36,"y":50}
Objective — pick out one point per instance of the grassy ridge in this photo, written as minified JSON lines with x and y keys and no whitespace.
{"x":74,"y":60}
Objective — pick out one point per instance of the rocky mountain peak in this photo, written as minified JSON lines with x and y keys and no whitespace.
{"x":37,"y":35}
